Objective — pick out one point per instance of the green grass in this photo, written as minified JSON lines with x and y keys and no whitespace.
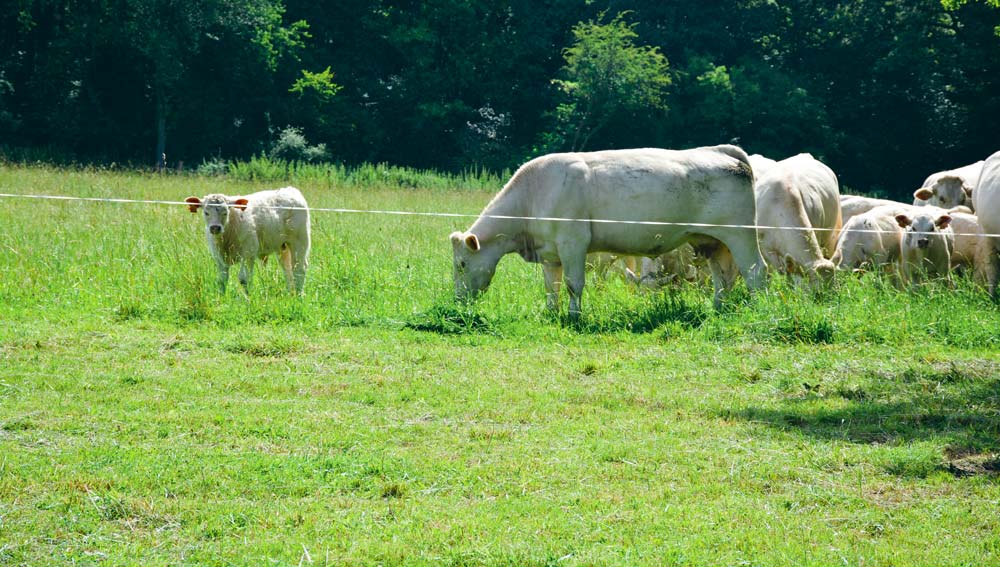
{"x":365,"y":176}
{"x":147,"y":420}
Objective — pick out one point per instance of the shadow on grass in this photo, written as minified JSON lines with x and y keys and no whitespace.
{"x":678,"y":310}
{"x":451,"y":318}
{"x":957,"y":405}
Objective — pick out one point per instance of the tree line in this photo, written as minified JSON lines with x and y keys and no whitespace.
{"x":884,"y":91}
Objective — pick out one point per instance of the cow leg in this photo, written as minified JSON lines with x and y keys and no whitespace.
{"x":223,"y":275}
{"x":246,"y":273}
{"x":553,"y":280}
{"x":992,"y":267}
{"x":746,"y":254}
{"x":285,"y":255}
{"x":723,"y":272}
{"x":300,"y":263}
{"x":905,"y":274}
{"x":944,"y":268}
{"x":575,"y":275}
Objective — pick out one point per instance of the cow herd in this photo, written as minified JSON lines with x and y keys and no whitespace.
{"x":740,"y":212}
{"x":668,"y":211}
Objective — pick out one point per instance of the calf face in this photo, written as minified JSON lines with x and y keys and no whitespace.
{"x":216,"y":210}
{"x":921,"y":228}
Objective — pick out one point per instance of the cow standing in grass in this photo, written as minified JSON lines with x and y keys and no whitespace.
{"x":926,"y":245}
{"x":986,"y":198}
{"x":871,"y":239}
{"x":706,"y":186}
{"x":243,"y":229}
{"x":800,"y":196}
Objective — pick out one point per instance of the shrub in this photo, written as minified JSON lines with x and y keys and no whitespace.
{"x":215,"y":167}
{"x":292,"y":146}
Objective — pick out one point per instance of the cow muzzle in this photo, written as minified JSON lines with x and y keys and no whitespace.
{"x":215,"y":229}
{"x":923,"y":243}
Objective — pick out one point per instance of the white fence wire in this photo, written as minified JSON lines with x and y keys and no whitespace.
{"x":464,"y":215}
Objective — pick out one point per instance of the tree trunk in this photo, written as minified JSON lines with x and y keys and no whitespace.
{"x":161,"y":131}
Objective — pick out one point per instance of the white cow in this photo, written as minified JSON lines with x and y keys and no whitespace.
{"x":761,"y":165}
{"x":242,"y":229}
{"x":972,"y":249}
{"x":711,"y":185}
{"x":951,"y":188}
{"x":801,"y":196}
{"x":926,"y":244}
{"x":871,"y":238}
{"x":986,"y":199}
{"x":851,"y":205}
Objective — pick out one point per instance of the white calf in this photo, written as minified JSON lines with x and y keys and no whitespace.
{"x":926,"y":244}
{"x":871,"y":238}
{"x":242,"y":229}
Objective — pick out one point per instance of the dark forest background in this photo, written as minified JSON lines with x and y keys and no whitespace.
{"x":884,"y":91}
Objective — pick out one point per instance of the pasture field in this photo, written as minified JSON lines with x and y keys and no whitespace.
{"x":147,"y":420}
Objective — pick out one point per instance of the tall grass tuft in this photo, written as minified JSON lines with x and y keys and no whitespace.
{"x":364,"y":176}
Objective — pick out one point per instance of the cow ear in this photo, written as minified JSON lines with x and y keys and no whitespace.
{"x":924,"y":194}
{"x":903,"y":221}
{"x":193,"y":204}
{"x":241,"y":203}
{"x":472,"y":242}
{"x":942,"y":222}
{"x":968,"y":191}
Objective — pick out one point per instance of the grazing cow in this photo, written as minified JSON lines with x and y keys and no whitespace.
{"x":851,"y":205}
{"x":871,"y":238}
{"x":801,"y":197}
{"x":947,"y":189}
{"x":986,"y":199}
{"x":242,"y":229}
{"x":972,"y":249}
{"x":926,"y":244}
{"x":705,"y":186}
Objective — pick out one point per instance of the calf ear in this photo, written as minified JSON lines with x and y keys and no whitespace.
{"x":903,"y":221}
{"x":240,"y":203}
{"x":193,"y":204}
{"x":472,"y":242}
{"x":924,"y":194}
{"x":942,"y":222}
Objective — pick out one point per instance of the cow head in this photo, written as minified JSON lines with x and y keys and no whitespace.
{"x":473,"y":266}
{"x":921,"y":228}
{"x":947,"y":192}
{"x":216,"y":209}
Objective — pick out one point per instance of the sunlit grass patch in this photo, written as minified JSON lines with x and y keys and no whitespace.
{"x":145,"y":415}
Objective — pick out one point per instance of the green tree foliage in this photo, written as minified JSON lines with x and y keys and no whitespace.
{"x":605,"y":74}
{"x":320,"y":84}
{"x":955,"y":4}
{"x":885,"y":91}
